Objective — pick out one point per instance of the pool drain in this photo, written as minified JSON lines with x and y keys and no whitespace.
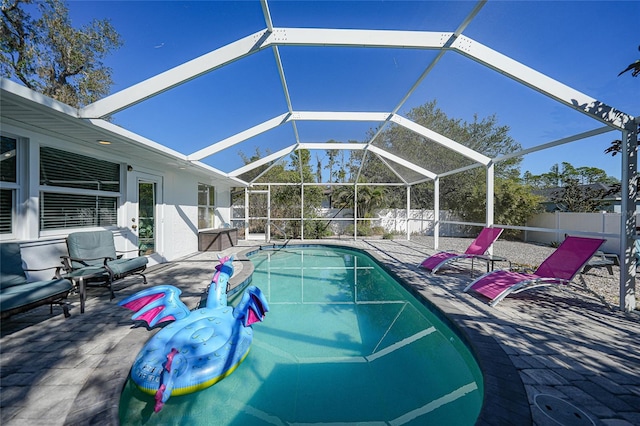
{"x":561,"y":411}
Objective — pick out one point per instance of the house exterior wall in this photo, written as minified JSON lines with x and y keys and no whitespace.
{"x":177,"y":213}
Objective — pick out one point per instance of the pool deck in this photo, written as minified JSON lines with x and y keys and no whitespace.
{"x":548,"y":356}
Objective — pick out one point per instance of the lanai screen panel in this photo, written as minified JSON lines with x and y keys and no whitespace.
{"x":420,"y":150}
{"x":378,"y":170}
{"x":231,"y":99}
{"x":350,"y":78}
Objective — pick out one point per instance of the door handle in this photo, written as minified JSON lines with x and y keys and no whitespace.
{"x":134,"y":226}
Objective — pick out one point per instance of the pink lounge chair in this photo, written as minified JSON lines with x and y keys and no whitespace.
{"x":478,"y":247}
{"x":559,"y":268}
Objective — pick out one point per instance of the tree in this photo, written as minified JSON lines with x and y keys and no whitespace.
{"x":482,"y":134}
{"x":573,"y":197}
{"x":369,"y":197}
{"x":332,"y":155}
{"x":589,"y":175}
{"x":616,"y":145}
{"x":561,"y":176}
{"x":49,"y":56}
{"x":514,"y":204}
{"x":286,"y":200}
{"x":464,"y":193}
{"x":634,"y":67}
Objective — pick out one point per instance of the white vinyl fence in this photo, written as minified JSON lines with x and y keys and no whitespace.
{"x":421,"y":222}
{"x":545,"y":228}
{"x":605,"y":223}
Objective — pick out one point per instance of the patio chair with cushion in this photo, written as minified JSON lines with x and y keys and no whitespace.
{"x":559,"y":268}
{"x":18,"y":294}
{"x":478,"y":247}
{"x":93,"y":254}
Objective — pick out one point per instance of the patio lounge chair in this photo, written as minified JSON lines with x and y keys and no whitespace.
{"x":559,"y":268}
{"x":18,"y":295}
{"x":93,"y":254}
{"x":478,"y":247}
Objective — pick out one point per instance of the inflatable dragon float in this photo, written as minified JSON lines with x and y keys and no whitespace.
{"x":196,"y":348}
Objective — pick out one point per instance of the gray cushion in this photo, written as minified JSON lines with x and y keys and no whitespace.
{"x":11,"y":269}
{"x":123,"y":266}
{"x":25,"y":294}
{"x":91,"y":245}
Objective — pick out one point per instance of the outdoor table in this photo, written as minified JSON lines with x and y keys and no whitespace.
{"x":80,"y":278}
{"x":491,"y":260}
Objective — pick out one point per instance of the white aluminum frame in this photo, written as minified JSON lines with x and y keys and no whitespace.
{"x":443,"y":43}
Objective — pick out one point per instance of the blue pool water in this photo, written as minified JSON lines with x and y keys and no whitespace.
{"x":343,"y":343}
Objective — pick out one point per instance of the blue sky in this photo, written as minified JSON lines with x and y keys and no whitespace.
{"x":583,"y":44}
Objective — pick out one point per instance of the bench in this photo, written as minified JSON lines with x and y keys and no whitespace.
{"x":18,"y":295}
{"x":602,"y":260}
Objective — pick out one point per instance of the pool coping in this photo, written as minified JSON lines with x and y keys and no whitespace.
{"x":504,"y":401}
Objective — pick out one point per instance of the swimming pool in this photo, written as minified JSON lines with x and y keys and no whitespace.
{"x":343,"y":343}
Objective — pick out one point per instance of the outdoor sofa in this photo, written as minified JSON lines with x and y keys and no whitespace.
{"x":18,"y":294}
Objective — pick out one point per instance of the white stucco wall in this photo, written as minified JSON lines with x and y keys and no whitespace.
{"x":177,"y":215}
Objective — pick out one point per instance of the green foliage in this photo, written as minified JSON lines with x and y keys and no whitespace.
{"x":336,"y":164}
{"x":364,"y":229}
{"x":369,"y":198}
{"x":575,"y":198}
{"x":377,"y":230}
{"x":464,"y":193}
{"x":634,"y":67}
{"x":316,"y":229}
{"x":514,"y":204}
{"x":571,"y":193}
{"x":483,"y":135}
{"x":49,"y":56}
{"x":286,"y":200}
{"x":559,"y":175}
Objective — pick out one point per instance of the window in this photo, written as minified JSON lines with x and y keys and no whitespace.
{"x":77,"y":191}
{"x":8,"y":183}
{"x":206,"y":203}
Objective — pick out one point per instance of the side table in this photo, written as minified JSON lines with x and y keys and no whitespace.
{"x":80,"y":278}
{"x":491,"y":260}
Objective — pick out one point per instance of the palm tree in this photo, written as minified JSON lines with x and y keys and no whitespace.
{"x":369,"y":198}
